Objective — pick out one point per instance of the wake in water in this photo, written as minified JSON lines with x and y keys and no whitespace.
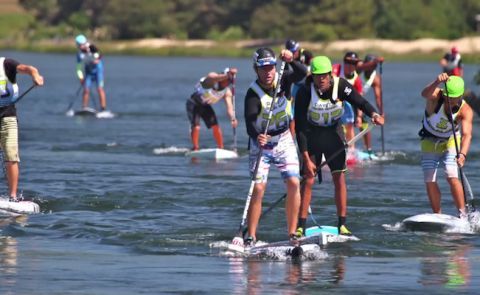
{"x":277,"y":253}
{"x":170,"y":150}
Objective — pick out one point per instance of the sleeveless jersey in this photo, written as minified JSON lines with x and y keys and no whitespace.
{"x":438,"y":123}
{"x":210,"y":95}
{"x":325,"y":112}
{"x":281,"y":115}
{"x":8,"y":90}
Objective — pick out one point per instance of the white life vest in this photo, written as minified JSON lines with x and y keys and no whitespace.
{"x":8,"y":90}
{"x":325,"y":112}
{"x":352,"y":80}
{"x":438,"y":123}
{"x":368,"y":84}
{"x":281,"y":115}
{"x":210,"y":95}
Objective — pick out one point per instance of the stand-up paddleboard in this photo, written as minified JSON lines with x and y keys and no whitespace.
{"x":214,"y":154}
{"x":435,"y":222}
{"x":358,"y":156}
{"x":22,"y":207}
{"x":275,"y":250}
{"x":327,"y":234}
{"x":91,"y":112}
{"x":306,"y":247}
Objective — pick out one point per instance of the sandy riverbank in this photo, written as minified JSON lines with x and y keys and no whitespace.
{"x":422,"y":48}
{"x":467,"y":45}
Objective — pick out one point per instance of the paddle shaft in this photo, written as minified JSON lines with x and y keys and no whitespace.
{"x":457,"y":149}
{"x":382,"y":131}
{"x":234,"y":114}
{"x":19,"y":98}
{"x":259,"y":156}
{"x":72,"y":101}
{"x":351,"y":141}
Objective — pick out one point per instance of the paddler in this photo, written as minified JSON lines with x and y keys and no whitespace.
{"x":318,"y":111}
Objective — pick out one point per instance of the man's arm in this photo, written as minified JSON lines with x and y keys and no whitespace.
{"x":252,"y":109}
{"x":377,"y":90}
{"x":466,"y":119}
{"x":229,"y":106}
{"x":431,"y":91}
{"x":32,"y":71}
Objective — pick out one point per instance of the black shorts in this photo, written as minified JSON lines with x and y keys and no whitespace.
{"x":327,"y":141}
{"x":195,"y":111}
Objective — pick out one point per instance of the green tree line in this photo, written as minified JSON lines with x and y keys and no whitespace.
{"x":312,"y":20}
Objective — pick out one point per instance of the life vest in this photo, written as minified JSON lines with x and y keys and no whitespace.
{"x":352,"y":80}
{"x":281,"y":114}
{"x":325,"y":112}
{"x":8,"y":90}
{"x":438,"y":123}
{"x":210,"y":95}
{"x":369,"y":83}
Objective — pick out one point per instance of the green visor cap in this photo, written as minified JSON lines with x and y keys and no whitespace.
{"x":321,"y":65}
{"x":454,"y":87}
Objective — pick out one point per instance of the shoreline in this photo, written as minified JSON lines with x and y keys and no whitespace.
{"x":420,"y":49}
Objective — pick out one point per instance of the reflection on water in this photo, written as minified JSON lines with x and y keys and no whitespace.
{"x":258,"y":277}
{"x":9,"y":253}
{"x":451,"y":270}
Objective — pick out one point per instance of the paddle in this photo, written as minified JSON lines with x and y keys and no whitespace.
{"x":382,"y":134}
{"x":462,"y":175}
{"x":238,"y":239}
{"x":234,"y":115}
{"x":334,"y":155}
{"x":19,"y":98}
{"x":72,"y":101}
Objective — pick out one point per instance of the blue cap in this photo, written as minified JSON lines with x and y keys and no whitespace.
{"x":80,"y":39}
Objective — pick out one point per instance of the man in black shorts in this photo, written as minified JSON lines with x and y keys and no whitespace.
{"x":318,"y":110}
{"x":210,"y":90}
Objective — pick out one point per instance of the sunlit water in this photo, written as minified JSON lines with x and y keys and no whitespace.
{"x":125,"y":212}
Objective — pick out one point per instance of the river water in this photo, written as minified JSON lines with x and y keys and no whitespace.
{"x":120,"y":219}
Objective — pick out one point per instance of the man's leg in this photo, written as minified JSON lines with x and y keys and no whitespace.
{"x":195,"y":136}
{"x":255,"y":209}
{"x":217,"y":135}
{"x":12,"y":177}
{"x":434,"y":196}
{"x":292,"y":205}
{"x":457,"y":193}
{"x":86,"y":94}
{"x":103,"y":100}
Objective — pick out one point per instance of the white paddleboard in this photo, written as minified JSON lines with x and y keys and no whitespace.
{"x":276,"y":250}
{"x":85,"y":112}
{"x":214,"y":154}
{"x":22,"y":207}
{"x":436,"y":223}
{"x":90,"y":112}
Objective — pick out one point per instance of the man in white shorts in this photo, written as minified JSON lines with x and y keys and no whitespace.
{"x":438,"y":143}
{"x":278,"y":146}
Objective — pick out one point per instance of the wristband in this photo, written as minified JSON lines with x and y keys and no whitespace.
{"x":465,"y":156}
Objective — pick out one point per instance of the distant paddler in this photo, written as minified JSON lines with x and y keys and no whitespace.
{"x":208,"y":91}
{"x":372,"y":81}
{"x":90,"y":69}
{"x":9,"y":95}
{"x":438,"y":143}
{"x":318,"y":111}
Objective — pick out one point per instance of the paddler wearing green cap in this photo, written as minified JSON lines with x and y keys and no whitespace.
{"x":437,"y":141}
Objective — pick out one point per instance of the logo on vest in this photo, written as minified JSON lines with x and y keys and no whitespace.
{"x":348,"y":90}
